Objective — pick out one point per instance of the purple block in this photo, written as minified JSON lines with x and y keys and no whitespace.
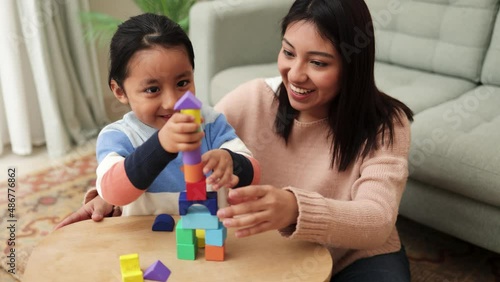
{"x":157,"y":272}
{"x":187,"y":101}
{"x":192,"y":157}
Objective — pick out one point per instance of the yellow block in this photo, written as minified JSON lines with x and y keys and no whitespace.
{"x":134,"y":276}
{"x":193,"y":112}
{"x":200,"y":237}
{"x":129,"y":263}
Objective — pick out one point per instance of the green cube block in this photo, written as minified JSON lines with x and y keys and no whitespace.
{"x":187,"y":251}
{"x":184,"y":236}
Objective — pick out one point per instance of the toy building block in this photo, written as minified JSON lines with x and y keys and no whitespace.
{"x":196,"y":113}
{"x":187,"y":252}
{"x":129,"y":262}
{"x":134,"y":276}
{"x":163,"y":222}
{"x":210,"y":203}
{"x":188,"y":101}
{"x":200,"y":237}
{"x":191,"y":157}
{"x":198,"y":217}
{"x":214,"y":253}
{"x":193,"y":173}
{"x":196,"y":191}
{"x":184,"y":236}
{"x":130,"y":268}
{"x":216,"y":237}
{"x":157,"y":272}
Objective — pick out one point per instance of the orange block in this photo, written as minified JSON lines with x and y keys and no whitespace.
{"x":193,"y":173}
{"x":214,"y":253}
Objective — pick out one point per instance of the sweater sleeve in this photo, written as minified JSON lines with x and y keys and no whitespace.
{"x":123,"y":179}
{"x":366,"y":221}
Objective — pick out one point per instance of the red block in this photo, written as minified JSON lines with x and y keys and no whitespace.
{"x":196,"y":191}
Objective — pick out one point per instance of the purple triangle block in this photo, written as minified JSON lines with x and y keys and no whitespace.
{"x":188,"y":101}
{"x":157,"y":272}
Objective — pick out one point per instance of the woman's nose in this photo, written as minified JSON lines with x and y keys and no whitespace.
{"x":297,"y":72}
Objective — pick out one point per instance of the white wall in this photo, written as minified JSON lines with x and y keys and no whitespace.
{"x":121,"y":9}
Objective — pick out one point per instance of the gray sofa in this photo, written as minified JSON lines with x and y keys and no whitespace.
{"x":440,"y":57}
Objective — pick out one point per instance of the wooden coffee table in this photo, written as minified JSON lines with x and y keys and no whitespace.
{"x":89,"y":251}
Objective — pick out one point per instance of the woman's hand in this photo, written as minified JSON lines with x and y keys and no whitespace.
{"x":259,"y":208}
{"x":96,"y":209}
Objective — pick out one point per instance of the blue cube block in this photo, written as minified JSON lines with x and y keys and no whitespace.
{"x":216,"y":237}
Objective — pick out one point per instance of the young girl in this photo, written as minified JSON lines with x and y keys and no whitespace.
{"x":333,"y":149}
{"x":151,"y":67}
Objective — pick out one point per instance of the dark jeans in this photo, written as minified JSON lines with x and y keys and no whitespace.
{"x":393,"y":267}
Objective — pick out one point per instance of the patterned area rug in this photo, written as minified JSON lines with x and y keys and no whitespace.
{"x":45,"y":198}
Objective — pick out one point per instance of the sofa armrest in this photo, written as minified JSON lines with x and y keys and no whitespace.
{"x":229,"y":33}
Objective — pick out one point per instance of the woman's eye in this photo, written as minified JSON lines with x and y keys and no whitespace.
{"x":182,"y":83}
{"x":287,"y":53}
{"x":318,"y":64}
{"x":152,"y":89}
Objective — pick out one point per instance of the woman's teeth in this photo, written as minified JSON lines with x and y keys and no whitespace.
{"x":300,"y":90}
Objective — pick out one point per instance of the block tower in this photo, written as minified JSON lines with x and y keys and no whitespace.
{"x":197,"y":207}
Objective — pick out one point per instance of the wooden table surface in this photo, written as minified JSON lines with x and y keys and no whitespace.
{"x":89,"y":251}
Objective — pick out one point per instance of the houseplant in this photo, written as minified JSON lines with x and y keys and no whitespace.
{"x":101,"y":27}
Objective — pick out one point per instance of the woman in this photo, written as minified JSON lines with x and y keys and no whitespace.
{"x":332,"y":147}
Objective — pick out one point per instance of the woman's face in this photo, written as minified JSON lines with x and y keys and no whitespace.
{"x":311,"y":70}
{"x":157,"y":78}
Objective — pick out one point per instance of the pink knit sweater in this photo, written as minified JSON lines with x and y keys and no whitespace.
{"x":353,"y":212}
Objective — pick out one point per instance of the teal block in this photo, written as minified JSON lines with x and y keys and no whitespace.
{"x":184,"y":236}
{"x":198,"y":217}
{"x":216,"y":237}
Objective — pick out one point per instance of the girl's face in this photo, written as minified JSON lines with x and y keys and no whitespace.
{"x":156,"y":79}
{"x":311,"y":69}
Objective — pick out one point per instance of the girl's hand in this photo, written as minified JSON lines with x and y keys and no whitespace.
{"x":221,"y":164}
{"x":259,"y":208}
{"x":180,"y":133}
{"x":96,"y":209}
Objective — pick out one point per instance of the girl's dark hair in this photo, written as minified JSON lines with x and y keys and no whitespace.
{"x":360,"y":111}
{"x":143,"y":32}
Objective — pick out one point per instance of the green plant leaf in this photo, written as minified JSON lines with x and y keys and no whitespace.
{"x":98,"y":26}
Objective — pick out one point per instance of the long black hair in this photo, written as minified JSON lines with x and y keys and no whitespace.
{"x":360,"y":111}
{"x":143,"y":32}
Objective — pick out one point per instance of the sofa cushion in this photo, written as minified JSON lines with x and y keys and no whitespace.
{"x":417,"y":89}
{"x":442,"y":36}
{"x":456,"y":145}
{"x":491,"y":73}
{"x":227,"y":80}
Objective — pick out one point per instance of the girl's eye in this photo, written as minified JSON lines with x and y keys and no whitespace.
{"x":287,"y":53}
{"x":182,"y":83}
{"x":152,"y":90}
{"x":318,"y":63}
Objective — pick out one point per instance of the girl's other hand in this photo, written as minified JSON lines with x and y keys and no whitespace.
{"x":221,"y":164}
